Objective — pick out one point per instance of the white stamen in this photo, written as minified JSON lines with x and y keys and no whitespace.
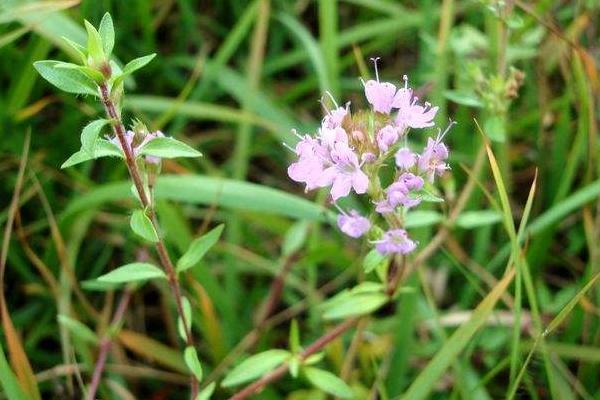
{"x":339,"y":208}
{"x":332,"y":99}
{"x":405,"y":77}
{"x":441,"y":137}
{"x":287,"y":146}
{"x":375,"y":59}
{"x":295,"y":132}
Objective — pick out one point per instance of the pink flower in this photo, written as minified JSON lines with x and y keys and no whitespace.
{"x":405,"y":158}
{"x":379,"y":94}
{"x":387,"y":137}
{"x":432,"y":161}
{"x":345,"y":173}
{"x":330,"y":136}
{"x":395,"y":241}
{"x":401,"y":193}
{"x":335,"y":117}
{"x":410,"y":114}
{"x":130,"y":136}
{"x":353,"y":224}
{"x":416,"y":116}
{"x":311,"y":162}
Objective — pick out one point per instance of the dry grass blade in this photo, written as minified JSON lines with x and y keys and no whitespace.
{"x":18,"y":358}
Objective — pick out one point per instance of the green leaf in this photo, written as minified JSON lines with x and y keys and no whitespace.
{"x":97,"y":286}
{"x":294,"y":366}
{"x":68,"y":80}
{"x":8,"y":381}
{"x":132,"y":273}
{"x":142,"y":226}
{"x":347,"y":304}
{"x":133,"y":66}
{"x":328,"y":382}
{"x":137,"y":63}
{"x":463,"y":98}
{"x":198,"y":248}
{"x":90,"y":135}
{"x":107,"y":34}
{"x":198,"y":189}
{"x":294,"y":238}
{"x":206,"y":392}
{"x":474,"y":219}
{"x":91,"y":73}
{"x":373,"y":259}
{"x":187,"y":313}
{"x":256,"y":366}
{"x":419,"y":218}
{"x":104,"y":148}
{"x":165,"y":147}
{"x":78,"y":329}
{"x":94,"y":43}
{"x":80,"y":50}
{"x":190,"y":357}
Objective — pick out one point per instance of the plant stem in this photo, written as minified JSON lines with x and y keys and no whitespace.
{"x":280,"y":371}
{"x":161,"y":249}
{"x":105,"y":344}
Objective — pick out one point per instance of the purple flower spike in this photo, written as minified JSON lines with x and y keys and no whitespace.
{"x":395,"y":241}
{"x":405,"y":158}
{"x":353,"y":224}
{"x":387,"y":137}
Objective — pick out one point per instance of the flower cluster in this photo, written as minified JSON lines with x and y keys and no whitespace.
{"x":350,"y":149}
{"x":137,"y":141}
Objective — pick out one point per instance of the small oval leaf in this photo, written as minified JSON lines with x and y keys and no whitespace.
{"x":206,"y":392}
{"x":167,"y":147}
{"x":132,"y":273}
{"x":198,"y":248}
{"x":68,"y":80}
{"x":256,"y":366}
{"x":104,"y":148}
{"x":107,"y":34}
{"x":142,"y":226}
{"x":349,"y":304}
{"x":190,"y":357}
{"x":90,"y":134}
{"x":328,"y":382}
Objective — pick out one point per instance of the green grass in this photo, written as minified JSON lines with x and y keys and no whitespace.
{"x":232,"y":78}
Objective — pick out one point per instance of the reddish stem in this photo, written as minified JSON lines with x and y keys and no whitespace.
{"x":280,"y":371}
{"x":105,"y":344}
{"x":165,"y":260}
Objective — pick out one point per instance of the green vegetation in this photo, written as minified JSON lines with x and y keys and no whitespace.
{"x":500,"y":299}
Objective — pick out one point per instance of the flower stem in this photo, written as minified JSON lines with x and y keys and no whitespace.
{"x":119,"y":130}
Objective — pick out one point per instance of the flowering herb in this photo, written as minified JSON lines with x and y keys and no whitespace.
{"x":350,"y":150}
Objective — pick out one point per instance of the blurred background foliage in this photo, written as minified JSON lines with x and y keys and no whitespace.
{"x":232,"y":78}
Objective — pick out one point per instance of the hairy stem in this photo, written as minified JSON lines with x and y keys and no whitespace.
{"x":280,"y":371}
{"x":119,"y":130}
